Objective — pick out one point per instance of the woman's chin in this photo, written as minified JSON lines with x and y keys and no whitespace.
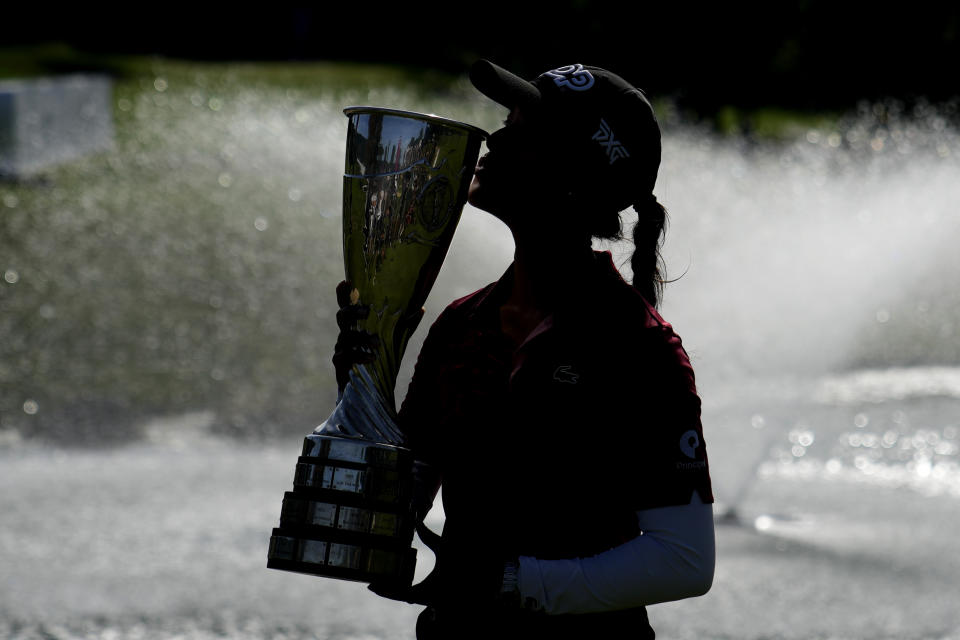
{"x":481,"y":203}
{"x":477,"y":198}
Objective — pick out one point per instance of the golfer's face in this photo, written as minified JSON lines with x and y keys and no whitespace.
{"x":509,"y":177}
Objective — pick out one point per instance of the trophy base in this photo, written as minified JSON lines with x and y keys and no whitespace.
{"x":350,"y":513}
{"x":354,"y":562}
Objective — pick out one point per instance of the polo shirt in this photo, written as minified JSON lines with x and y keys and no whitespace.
{"x":549,"y":449}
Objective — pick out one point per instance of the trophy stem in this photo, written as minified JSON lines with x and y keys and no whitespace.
{"x":363,"y":412}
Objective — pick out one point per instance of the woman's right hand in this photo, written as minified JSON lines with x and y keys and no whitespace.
{"x":354,"y":346}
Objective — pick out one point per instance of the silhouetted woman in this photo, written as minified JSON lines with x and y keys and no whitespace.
{"x":557,"y":406}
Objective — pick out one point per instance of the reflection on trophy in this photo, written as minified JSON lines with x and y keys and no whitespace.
{"x":350,"y":514}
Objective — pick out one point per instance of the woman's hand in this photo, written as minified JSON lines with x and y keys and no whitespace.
{"x":353,"y":346}
{"x":461,"y":579}
{"x":425,"y":592}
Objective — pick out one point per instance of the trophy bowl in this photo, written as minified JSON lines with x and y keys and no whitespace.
{"x":351,"y":512}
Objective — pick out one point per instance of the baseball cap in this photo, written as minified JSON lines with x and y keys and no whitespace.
{"x":606,"y":126}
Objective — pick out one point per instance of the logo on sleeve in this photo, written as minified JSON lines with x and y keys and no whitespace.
{"x":689,"y":443}
{"x":572,"y":76}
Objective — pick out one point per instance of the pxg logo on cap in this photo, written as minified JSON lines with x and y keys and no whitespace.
{"x":611,"y":146}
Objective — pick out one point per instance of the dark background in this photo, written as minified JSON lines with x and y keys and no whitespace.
{"x":813,"y":54}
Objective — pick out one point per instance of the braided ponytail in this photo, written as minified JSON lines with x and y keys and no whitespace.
{"x":647,"y":264}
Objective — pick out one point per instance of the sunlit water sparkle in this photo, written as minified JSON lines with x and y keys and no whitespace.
{"x":816,"y":301}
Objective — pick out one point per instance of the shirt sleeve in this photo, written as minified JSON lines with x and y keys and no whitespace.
{"x":673,"y":458}
{"x":672,"y":558}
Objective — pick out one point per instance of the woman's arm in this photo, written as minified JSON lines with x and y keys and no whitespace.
{"x":673,"y":558}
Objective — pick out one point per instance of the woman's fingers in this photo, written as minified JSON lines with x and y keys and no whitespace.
{"x":350,"y":315}
{"x":343,"y":293}
{"x":353,"y":347}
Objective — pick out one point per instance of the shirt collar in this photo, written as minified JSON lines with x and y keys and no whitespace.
{"x":601,"y":286}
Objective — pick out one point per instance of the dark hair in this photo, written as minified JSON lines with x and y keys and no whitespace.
{"x":646,"y":262}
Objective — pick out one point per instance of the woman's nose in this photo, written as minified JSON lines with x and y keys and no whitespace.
{"x":511,"y":137}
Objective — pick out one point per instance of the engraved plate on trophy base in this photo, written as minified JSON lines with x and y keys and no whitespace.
{"x":349,"y":516}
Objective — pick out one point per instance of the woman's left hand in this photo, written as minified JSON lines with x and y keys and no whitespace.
{"x":458,"y":579}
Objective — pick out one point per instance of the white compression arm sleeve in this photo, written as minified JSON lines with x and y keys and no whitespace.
{"x":672,"y":559}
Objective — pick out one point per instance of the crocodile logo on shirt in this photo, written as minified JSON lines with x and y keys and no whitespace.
{"x":564,"y":373}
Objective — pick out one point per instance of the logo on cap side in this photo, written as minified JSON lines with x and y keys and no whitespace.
{"x":613,"y":147}
{"x":572,"y":76}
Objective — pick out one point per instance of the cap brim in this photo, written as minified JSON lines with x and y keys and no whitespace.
{"x":503,"y":87}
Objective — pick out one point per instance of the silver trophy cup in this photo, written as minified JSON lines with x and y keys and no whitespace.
{"x":351,"y":514}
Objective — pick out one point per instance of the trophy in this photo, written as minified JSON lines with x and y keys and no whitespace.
{"x":351,"y":514}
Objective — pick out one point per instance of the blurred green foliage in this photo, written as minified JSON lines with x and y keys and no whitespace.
{"x":772,"y":123}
